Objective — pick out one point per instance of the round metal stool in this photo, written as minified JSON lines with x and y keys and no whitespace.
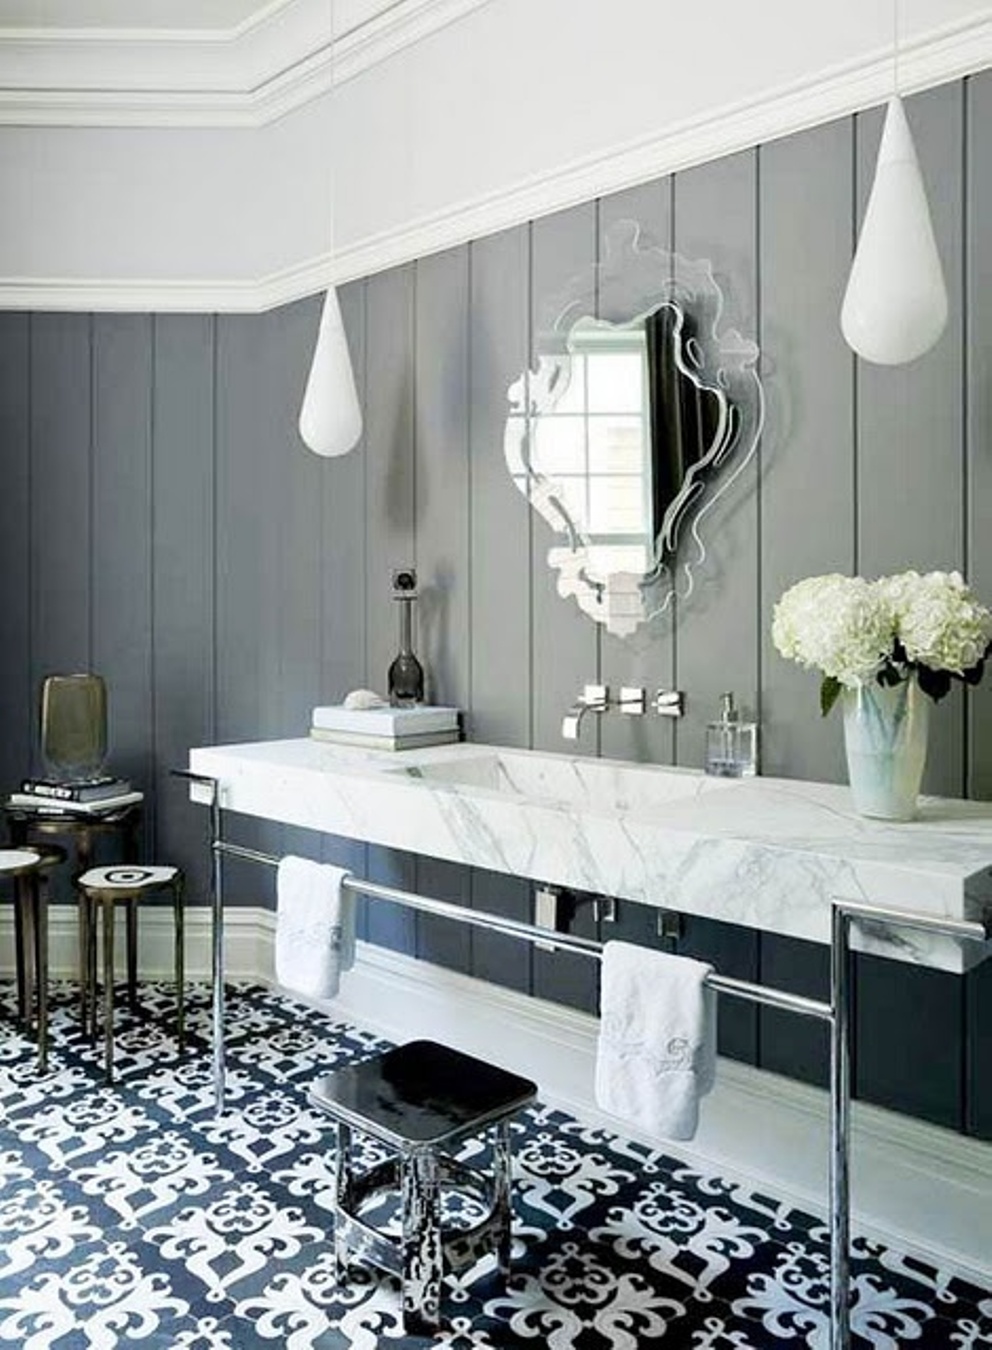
{"x":28,"y":869}
{"x":101,"y":890}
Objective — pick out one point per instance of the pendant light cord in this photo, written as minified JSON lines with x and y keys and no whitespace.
{"x":895,"y":47}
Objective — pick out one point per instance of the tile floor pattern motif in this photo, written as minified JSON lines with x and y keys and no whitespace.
{"x":131,"y":1215}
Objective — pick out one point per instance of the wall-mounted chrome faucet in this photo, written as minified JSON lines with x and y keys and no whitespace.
{"x":595,"y":698}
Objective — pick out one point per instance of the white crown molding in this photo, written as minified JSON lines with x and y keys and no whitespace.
{"x":947,"y":54}
{"x":244,"y":77}
{"x":151,"y":296}
{"x":925,"y":1190}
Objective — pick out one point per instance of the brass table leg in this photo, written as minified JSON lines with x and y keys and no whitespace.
{"x":108,"y":990}
{"x":40,"y":886}
{"x":178,"y":913}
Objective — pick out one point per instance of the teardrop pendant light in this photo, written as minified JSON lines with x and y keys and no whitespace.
{"x":895,"y":305}
{"x":331,"y":417}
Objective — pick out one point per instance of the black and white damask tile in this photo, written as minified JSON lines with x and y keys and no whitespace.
{"x":132,"y":1216}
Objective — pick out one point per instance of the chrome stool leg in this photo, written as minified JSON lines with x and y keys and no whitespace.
{"x":501,"y":1199}
{"x":422,"y":1254}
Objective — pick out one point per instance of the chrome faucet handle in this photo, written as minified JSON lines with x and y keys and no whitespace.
{"x":596,"y":697}
{"x":669,"y":703}
{"x":632,"y":701}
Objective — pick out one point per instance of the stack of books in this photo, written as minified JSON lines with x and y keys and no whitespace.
{"x":386,"y":728}
{"x":84,"y":796}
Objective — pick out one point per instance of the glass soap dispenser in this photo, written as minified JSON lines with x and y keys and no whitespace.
{"x":731,"y":745}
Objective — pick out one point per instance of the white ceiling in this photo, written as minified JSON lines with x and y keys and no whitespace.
{"x":186,"y":15}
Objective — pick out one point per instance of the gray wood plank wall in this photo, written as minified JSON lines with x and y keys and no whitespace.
{"x":160,"y":521}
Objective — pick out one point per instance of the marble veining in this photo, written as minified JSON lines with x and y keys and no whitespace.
{"x":767,"y":853}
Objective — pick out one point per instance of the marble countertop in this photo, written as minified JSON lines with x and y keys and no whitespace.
{"x":766,"y":853}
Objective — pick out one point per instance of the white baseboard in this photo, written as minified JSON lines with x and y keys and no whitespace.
{"x":924,"y":1190}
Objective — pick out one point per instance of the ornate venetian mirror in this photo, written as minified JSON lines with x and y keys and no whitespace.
{"x":631,"y":426}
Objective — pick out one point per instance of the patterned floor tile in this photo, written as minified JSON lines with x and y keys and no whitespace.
{"x":131,"y":1215}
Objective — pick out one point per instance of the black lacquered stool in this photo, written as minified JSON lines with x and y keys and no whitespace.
{"x":422,"y":1100}
{"x":101,"y":889}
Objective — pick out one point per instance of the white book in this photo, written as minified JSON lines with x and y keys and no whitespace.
{"x":372,"y":742}
{"x":45,"y":807}
{"x":389,"y":722}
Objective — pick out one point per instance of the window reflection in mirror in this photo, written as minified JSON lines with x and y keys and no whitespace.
{"x":619,"y":435}
{"x":595,"y":444}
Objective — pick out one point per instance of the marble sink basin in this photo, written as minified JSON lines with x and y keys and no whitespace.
{"x":592,"y":785}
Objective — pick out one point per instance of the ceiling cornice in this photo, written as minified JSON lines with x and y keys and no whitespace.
{"x":246,"y":76}
{"x":944,"y":55}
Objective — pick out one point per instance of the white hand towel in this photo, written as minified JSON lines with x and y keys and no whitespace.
{"x":315,"y":927}
{"x":657,"y":1039}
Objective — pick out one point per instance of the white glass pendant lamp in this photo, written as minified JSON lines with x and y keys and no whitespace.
{"x":895,"y":305}
{"x":331,"y":416}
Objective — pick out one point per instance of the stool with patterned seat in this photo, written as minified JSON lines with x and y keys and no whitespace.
{"x":421,"y":1100}
{"x":28,"y":869}
{"x":101,"y":890}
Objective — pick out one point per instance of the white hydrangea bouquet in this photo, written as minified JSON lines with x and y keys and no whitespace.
{"x":888,"y":631}
{"x":882,"y":645}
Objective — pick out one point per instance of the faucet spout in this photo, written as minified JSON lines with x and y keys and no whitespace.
{"x":594,"y":698}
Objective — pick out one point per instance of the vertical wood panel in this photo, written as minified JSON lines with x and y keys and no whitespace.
{"x":343,"y":530}
{"x":566,"y":642}
{"x":718,"y":634}
{"x":978,"y":483}
{"x":16,"y":689}
{"x":807,"y":454}
{"x":248,"y":502}
{"x":391,"y":488}
{"x":906,"y":1022}
{"x":732,"y":951}
{"x":499,"y":519}
{"x":502,"y":960}
{"x":60,"y":497}
{"x":910,"y":424}
{"x":442,"y":495}
{"x":183,"y":581}
{"x":122,"y":517}
{"x":645,"y":659}
{"x":343,"y":601}
{"x":795,"y":1046}
{"x":718,"y":637}
{"x":566,"y":977}
{"x":911,"y":515}
{"x":442,"y":941}
{"x":442,"y":477}
{"x":300,"y":475}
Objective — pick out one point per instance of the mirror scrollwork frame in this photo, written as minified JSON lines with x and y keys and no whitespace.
{"x":640,"y":412}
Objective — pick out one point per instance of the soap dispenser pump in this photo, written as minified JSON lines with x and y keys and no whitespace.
{"x":406,"y":674}
{"x":731,"y":745}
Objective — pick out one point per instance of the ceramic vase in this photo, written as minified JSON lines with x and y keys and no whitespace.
{"x":885,"y":735}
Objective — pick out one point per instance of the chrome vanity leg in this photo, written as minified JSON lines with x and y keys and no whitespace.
{"x":840,"y":1131}
{"x":217,"y":948}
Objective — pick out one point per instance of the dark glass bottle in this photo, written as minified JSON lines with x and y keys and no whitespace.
{"x":406,"y":674}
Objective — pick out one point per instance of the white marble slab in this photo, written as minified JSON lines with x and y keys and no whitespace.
{"x":766,"y":853}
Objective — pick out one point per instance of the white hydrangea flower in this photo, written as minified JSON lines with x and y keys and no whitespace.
{"x":939,"y":622}
{"x":843,"y":626}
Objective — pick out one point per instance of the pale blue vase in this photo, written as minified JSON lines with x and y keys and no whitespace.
{"x":885,"y":734}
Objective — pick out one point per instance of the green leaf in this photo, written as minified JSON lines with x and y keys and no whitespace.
{"x":935,"y":683}
{"x":829,"y":693}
